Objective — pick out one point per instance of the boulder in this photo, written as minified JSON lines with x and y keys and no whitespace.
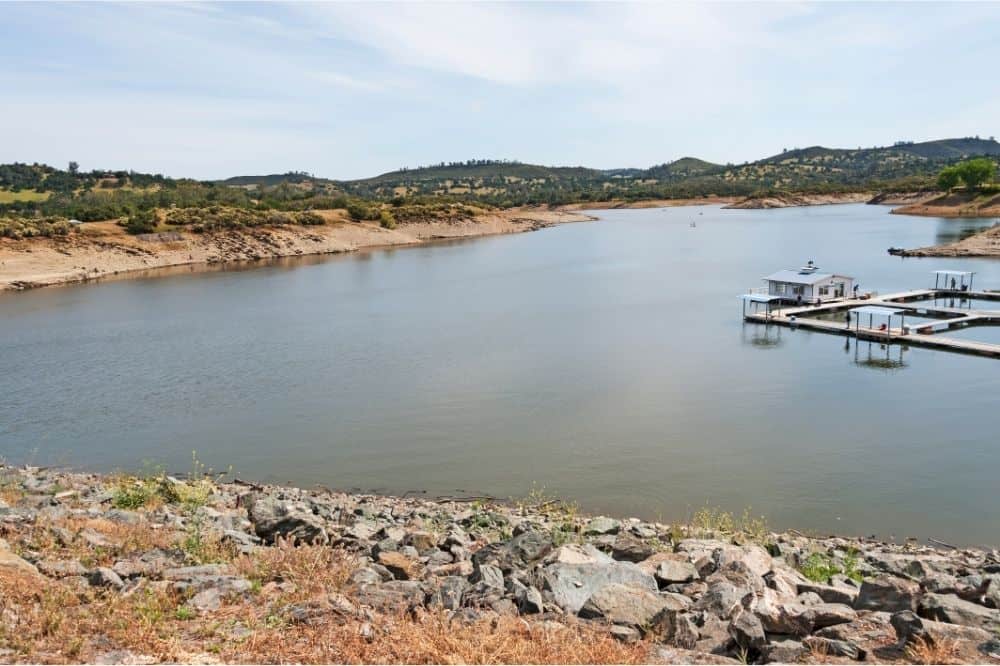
{"x":626,"y":605}
{"x":105,"y":577}
{"x":61,"y":568}
{"x":748,"y":632}
{"x":889,"y":594}
{"x":12,"y":562}
{"x":949,"y":608}
{"x":601,"y":525}
{"x":831,"y":594}
{"x":150,"y":564}
{"x":392,"y":596}
{"x":400,"y":566}
{"x":273,"y":518}
{"x":449,"y":593}
{"x":575,"y":554}
{"x":675,"y":571}
{"x":663,"y":654}
{"x":677,"y":628}
{"x":628,"y":548}
{"x":571,"y":585}
{"x":910,"y":628}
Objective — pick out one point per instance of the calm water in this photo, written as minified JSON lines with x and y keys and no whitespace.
{"x":606,"y":362}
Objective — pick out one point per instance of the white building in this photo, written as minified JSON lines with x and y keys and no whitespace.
{"x":808,"y":285}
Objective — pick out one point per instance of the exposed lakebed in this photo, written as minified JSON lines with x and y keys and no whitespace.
{"x":605,"y":361}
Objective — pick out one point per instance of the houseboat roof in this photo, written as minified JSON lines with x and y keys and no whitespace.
{"x":798,"y":277}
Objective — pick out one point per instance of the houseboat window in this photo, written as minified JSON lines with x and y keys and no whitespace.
{"x":823,"y":291}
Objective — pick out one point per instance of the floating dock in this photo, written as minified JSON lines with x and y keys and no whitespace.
{"x":832,"y":316}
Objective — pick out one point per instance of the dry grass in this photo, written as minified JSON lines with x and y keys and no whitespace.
{"x":48,"y":621}
{"x":926,"y":651}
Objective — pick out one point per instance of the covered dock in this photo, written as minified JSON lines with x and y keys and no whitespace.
{"x":958,"y":280}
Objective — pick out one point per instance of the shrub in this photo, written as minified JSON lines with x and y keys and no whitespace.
{"x":21,"y":227}
{"x":140,"y":222}
{"x":358,"y":211}
{"x":387,"y":220}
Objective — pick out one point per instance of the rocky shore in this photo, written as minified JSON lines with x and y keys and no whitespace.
{"x":117,"y":569}
{"x":103,"y":249}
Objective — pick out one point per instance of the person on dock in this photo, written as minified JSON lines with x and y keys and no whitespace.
{"x":855,"y":292}
{"x":848,"y":320}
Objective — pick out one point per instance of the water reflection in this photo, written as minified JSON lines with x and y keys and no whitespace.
{"x":956,"y":229}
{"x":763,"y":336}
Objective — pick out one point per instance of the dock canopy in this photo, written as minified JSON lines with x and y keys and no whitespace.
{"x":798,"y":277}
{"x":873,"y":311}
{"x":958,"y":280}
{"x":756,"y":299}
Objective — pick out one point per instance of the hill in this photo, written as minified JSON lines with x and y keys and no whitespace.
{"x":904,"y":166}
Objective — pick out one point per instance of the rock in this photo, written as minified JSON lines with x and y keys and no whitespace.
{"x":834,"y":648}
{"x":195,"y":579}
{"x":662,"y":654}
{"x":677,"y":628}
{"x":628,"y":548}
{"x":748,"y":632}
{"x":490,"y":576}
{"x":889,"y":594}
{"x":95,"y":539}
{"x":449,"y":593}
{"x":730,"y":590}
{"x":61,"y":568}
{"x":571,"y":585}
{"x":122,"y":516}
{"x":422,"y":541}
{"x":602,"y":525}
{"x":401,"y":567}
{"x":625,"y":605}
{"x":529,"y":547}
{"x":207,"y":600}
{"x":105,"y":577}
{"x":361,"y":530}
{"x":321,"y":608}
{"x":625,"y":634}
{"x":808,"y":599}
{"x":273,"y":518}
{"x":675,"y":571}
{"x":150,"y":564}
{"x":244,"y":542}
{"x":574,"y":554}
{"x":755,"y":558}
{"x":11,"y":562}
{"x":395,"y":595}
{"x":949,"y":608}
{"x":830,"y":593}
{"x":798,"y":619}
{"x":530,"y":601}
{"x":786,"y":651}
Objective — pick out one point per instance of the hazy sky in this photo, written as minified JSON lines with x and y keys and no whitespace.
{"x":350,"y":90}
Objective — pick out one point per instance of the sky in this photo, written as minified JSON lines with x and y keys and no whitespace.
{"x":347,"y":90}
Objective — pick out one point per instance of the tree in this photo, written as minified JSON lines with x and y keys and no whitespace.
{"x":948,"y":178}
{"x":974,"y":173}
{"x":74,"y":167}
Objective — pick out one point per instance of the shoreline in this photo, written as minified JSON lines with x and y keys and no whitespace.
{"x":385,"y":577}
{"x":103,"y":250}
{"x":791,"y":200}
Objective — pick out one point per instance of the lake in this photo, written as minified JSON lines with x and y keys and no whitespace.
{"x":606,"y":362}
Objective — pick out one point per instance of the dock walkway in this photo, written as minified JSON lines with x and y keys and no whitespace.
{"x":798,"y":316}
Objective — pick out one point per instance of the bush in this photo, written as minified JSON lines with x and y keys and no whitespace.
{"x":358,"y":211}
{"x":21,"y":227}
{"x":387,"y":220}
{"x":140,"y":222}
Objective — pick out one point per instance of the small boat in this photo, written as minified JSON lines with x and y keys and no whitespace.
{"x":897,"y":251}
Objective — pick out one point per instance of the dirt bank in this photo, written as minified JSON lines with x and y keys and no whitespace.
{"x":793,"y":200}
{"x":901,"y":198}
{"x":954,"y":204}
{"x":103,"y":249}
